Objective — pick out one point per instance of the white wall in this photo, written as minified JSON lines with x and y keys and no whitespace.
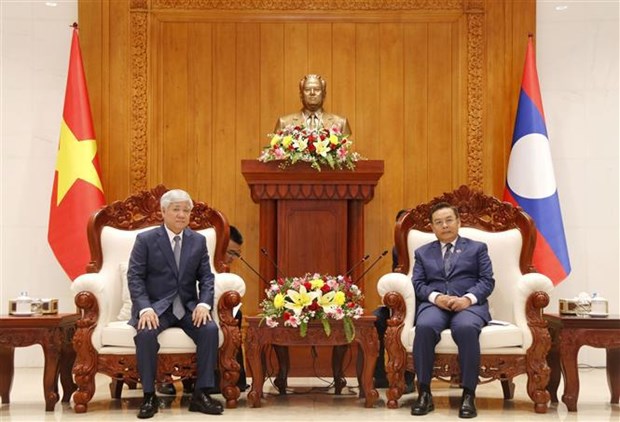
{"x":578,"y":70}
{"x":35,"y":56}
{"x":577,"y":57}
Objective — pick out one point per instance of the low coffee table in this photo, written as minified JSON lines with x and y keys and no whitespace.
{"x":568,"y":334}
{"x":259,"y":337}
{"x":54,"y":333}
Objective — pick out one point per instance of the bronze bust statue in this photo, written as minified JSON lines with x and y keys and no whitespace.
{"x":312,"y":91}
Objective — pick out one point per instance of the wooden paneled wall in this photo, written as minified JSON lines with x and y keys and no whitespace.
{"x":183,"y":90}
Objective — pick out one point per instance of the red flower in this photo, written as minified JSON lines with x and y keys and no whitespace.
{"x":350,"y":305}
{"x":307,"y":285}
{"x":286,"y":315}
{"x":280,"y":281}
{"x":313,"y":306}
{"x":325,"y":288}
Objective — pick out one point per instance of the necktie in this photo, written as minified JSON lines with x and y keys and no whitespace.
{"x":177,"y":307}
{"x":447,"y":258}
{"x":313,"y":120}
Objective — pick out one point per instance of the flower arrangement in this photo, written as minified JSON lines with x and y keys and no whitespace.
{"x":297,"y":300}
{"x":319,"y":147}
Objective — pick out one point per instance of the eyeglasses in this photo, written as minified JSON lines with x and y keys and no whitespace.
{"x":233,"y":253}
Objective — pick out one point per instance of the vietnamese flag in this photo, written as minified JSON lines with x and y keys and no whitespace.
{"x":77,"y":191}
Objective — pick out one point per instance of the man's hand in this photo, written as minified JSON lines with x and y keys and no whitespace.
{"x":452,"y":303}
{"x":148,"y":320}
{"x":201,"y":315}
{"x":458,"y":304}
{"x":444,"y":301}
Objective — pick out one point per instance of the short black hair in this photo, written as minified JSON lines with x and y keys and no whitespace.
{"x":235,"y":235}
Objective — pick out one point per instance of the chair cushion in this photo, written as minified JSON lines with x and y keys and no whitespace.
{"x":492,"y":337}
{"x":120,"y":334}
{"x":125,"y":313}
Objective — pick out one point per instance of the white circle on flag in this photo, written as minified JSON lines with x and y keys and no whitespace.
{"x":530,"y":169}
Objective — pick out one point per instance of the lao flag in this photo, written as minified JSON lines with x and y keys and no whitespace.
{"x":530,"y":182}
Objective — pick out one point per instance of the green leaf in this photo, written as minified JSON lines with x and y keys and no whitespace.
{"x":326,"y":327}
{"x":349,"y":329}
{"x":303,"y":329}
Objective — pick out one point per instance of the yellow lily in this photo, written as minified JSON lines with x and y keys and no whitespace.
{"x":321,"y":147}
{"x":326,"y":301}
{"x":300,"y":299}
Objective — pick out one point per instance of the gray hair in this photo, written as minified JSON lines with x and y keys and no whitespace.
{"x":175,"y":195}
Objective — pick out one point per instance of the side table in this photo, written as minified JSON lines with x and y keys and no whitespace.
{"x":54,"y":333}
{"x":568,"y":334}
{"x":259,"y":337}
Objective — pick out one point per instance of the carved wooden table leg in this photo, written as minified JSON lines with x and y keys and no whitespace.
{"x":51,"y":349}
{"x":6,"y":372}
{"x":613,"y":373}
{"x":67,"y":358}
{"x":254,"y":356}
{"x":553,"y":360}
{"x":568,"y":358}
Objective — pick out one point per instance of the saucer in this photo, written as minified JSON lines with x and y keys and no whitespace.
{"x":599,"y":314}
{"x":22,"y":313}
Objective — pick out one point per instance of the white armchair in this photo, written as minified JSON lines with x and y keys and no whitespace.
{"x":104,"y":341}
{"x":518,"y":341}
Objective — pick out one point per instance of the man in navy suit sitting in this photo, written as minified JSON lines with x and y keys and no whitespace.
{"x":165,"y":265}
{"x":452,"y":278}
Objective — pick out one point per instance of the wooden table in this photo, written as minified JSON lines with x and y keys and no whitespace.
{"x":54,"y":333}
{"x":568,"y":334}
{"x":260,"y":337}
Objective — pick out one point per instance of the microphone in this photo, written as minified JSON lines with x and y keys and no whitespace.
{"x":264,"y":252}
{"x":384,"y":253}
{"x":357,"y":264}
{"x":238,"y":255}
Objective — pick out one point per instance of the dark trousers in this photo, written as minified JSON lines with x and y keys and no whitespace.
{"x":205,"y":337}
{"x":465,"y":326}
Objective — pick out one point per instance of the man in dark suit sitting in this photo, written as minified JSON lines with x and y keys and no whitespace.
{"x":232,"y":253}
{"x":452,"y":278}
{"x":164,"y":267}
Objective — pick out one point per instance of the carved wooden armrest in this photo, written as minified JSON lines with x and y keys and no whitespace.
{"x":228,"y":364}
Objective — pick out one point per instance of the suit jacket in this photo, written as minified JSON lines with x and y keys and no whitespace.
{"x":154,"y":280}
{"x":471,"y":272}
{"x":329,"y":121}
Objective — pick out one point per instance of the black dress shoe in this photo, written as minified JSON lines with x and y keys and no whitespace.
{"x":188,"y":385}
{"x":468,"y":406}
{"x":423,"y":405}
{"x":148,"y":408}
{"x":167,"y":388}
{"x":205,"y":404}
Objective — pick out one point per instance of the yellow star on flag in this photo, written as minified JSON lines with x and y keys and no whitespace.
{"x":75,"y":161}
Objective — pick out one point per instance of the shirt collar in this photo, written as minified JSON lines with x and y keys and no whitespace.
{"x":171,"y":234}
